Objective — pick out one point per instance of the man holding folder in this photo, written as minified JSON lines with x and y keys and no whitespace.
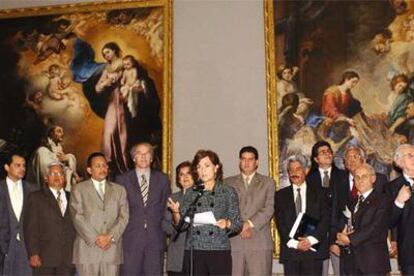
{"x":302,"y":255}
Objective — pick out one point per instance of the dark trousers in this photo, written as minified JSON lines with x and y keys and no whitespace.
{"x":407,"y":270}
{"x":303,"y":267}
{"x":210,"y":262}
{"x":61,"y":270}
{"x":143,"y":261}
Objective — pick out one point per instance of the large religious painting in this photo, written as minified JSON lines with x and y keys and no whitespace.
{"x":82,"y":78}
{"x":340,"y":71}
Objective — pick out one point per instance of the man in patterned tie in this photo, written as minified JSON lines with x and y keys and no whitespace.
{"x":48,"y":226}
{"x":148,"y":191}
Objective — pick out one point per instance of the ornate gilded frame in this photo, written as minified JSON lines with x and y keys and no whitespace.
{"x":106,"y":6}
{"x":271,"y":102}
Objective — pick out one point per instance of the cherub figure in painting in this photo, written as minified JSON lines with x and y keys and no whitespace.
{"x":131,"y":84}
{"x":286,"y":85}
{"x":58,"y":87}
{"x":402,"y":97}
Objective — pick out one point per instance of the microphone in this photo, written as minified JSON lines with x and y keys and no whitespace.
{"x":199,"y":186}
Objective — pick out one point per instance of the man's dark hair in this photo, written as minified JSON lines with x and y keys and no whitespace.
{"x":92,"y":156}
{"x":9,"y":157}
{"x":249,"y":149}
{"x":315,"y":150}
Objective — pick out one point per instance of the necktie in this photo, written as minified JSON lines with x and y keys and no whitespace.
{"x":144,"y":189}
{"x":60,"y":203}
{"x":298,"y":202}
{"x":360,"y":200}
{"x":246,"y":182}
{"x":325,"y":181}
{"x":101,"y":190}
{"x":354,"y":190}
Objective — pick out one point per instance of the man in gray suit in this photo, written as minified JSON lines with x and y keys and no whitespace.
{"x":14,"y":192}
{"x":100,"y":214}
{"x":252,"y":249}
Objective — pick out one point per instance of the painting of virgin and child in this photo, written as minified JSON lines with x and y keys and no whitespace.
{"x":99,"y":76}
{"x":344,"y":74}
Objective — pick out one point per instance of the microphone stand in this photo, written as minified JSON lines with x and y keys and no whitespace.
{"x":190,"y":212}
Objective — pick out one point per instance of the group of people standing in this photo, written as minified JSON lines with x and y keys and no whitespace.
{"x":354,"y":209}
{"x":102,"y":227}
{"x":119,"y":228}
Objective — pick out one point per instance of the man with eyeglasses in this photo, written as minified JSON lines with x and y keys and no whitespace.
{"x":48,"y":227}
{"x":366,"y":242}
{"x":402,"y":214}
{"x":325,"y":175}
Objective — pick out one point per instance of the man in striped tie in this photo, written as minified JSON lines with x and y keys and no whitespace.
{"x":148,"y":190}
{"x":48,"y":227}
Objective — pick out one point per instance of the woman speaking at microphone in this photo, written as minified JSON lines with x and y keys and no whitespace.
{"x":210,"y":242}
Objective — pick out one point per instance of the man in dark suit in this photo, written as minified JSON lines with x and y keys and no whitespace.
{"x":15,"y":192}
{"x":346,"y":192}
{"x":147,"y":191}
{"x":325,"y":175}
{"x":299,"y":257}
{"x":48,"y":226}
{"x":402,"y":211}
{"x":366,"y":251}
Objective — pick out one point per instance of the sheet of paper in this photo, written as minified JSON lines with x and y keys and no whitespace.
{"x":203,"y":218}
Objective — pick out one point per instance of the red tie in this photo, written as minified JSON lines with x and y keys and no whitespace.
{"x":354,"y":190}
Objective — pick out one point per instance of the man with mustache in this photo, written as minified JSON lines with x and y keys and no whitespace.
{"x":299,"y":257}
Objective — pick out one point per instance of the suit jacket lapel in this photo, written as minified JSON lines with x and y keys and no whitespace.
{"x":52,"y":201}
{"x":94,"y":194}
{"x":291,"y":202}
{"x":108,"y":191}
{"x":152,"y":186}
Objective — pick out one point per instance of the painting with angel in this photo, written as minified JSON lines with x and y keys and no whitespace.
{"x":343,"y":73}
{"x":99,"y":71}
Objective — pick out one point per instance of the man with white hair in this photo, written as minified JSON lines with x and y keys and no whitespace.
{"x":299,"y":257}
{"x":366,"y":250}
{"x":402,"y":215}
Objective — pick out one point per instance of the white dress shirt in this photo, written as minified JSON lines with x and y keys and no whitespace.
{"x":62,"y":197}
{"x":351,"y":181}
{"x":16,"y":196}
{"x":292,"y":243}
{"x":97,"y":183}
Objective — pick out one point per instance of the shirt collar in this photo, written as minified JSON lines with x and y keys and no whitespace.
{"x":301,"y":187}
{"x":249,"y":176}
{"x":409,"y":179}
{"x":322,"y":171}
{"x":54,"y":191}
{"x":12,"y":183}
{"x":367,"y":193}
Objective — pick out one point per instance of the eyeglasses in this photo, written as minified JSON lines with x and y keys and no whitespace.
{"x":363,"y":177}
{"x":56,"y":174}
{"x":409,"y":155}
